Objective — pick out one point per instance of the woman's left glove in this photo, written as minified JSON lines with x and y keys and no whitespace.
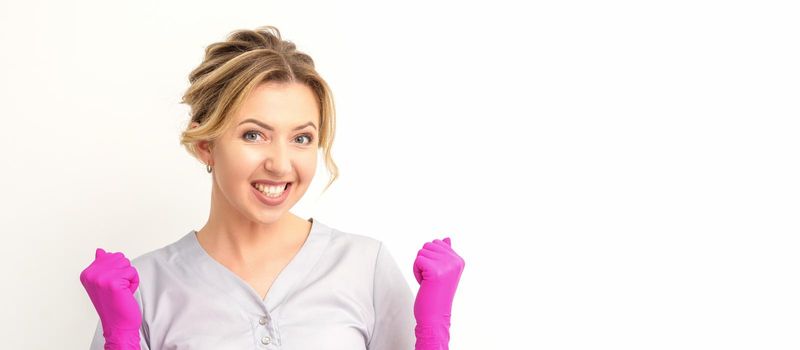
{"x":438,"y":269}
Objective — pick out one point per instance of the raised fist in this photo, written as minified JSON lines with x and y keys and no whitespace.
{"x":110,"y":281}
{"x":438,"y":269}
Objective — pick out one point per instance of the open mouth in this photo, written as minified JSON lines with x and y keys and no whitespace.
{"x":271,"y":191}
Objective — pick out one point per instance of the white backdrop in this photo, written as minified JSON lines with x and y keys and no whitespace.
{"x":616,"y":174}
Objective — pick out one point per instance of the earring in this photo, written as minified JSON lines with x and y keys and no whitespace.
{"x":208,"y":168}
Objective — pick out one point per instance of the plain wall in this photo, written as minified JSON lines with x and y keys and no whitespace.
{"x":616,"y":174}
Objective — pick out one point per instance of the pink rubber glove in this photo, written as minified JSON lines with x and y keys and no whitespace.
{"x":110,"y":282}
{"x":437,"y":269}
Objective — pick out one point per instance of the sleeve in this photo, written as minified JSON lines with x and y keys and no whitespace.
{"x":98,"y":342}
{"x":393,"y":303}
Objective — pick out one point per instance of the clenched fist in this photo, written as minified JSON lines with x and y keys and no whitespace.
{"x":438,"y":269}
{"x":110,"y":281}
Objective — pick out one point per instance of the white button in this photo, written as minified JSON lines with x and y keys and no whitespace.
{"x":265,"y":340}
{"x":262,"y":321}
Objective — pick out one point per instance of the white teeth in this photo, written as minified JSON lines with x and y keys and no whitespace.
{"x":271,"y":191}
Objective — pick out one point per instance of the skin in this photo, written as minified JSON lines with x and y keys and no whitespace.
{"x":242,"y":232}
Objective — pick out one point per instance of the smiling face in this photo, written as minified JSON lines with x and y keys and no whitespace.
{"x":274,"y":137}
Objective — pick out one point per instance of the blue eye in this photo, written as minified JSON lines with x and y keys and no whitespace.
{"x":310,"y":138}
{"x":249,"y":132}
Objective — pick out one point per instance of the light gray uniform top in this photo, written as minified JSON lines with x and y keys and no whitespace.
{"x":340,"y":291}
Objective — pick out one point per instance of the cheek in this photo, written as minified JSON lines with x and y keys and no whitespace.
{"x":307,"y":169}
{"x":248,"y":156}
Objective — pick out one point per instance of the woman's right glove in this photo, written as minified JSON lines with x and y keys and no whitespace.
{"x":110,"y":281}
{"x":437,"y":268}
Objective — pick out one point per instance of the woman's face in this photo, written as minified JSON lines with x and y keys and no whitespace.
{"x":283,"y":149}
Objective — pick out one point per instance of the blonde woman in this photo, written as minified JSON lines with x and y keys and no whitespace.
{"x":257,"y":276}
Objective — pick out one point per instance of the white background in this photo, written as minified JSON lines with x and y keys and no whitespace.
{"x":616,"y":174}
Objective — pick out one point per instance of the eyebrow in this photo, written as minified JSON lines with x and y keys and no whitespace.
{"x":265,"y":126}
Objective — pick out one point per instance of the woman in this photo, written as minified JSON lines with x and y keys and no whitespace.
{"x":257,"y":276}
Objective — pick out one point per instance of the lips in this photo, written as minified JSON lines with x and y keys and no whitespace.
{"x":272,"y":201}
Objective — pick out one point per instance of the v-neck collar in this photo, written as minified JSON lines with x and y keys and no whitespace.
{"x":230,"y":284}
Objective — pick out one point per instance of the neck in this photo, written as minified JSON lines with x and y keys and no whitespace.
{"x":230,"y":237}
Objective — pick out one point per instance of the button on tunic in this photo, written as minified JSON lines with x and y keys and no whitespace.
{"x":340,"y":291}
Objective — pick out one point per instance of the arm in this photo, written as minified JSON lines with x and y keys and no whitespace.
{"x":438,"y":269}
{"x":393,"y":303}
{"x":99,"y":342}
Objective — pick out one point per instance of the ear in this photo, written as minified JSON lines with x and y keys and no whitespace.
{"x":203,"y":147}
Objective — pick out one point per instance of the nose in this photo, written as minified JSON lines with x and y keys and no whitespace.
{"x":277,"y":159}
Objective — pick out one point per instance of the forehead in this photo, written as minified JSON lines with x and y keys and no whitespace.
{"x":280,"y":103}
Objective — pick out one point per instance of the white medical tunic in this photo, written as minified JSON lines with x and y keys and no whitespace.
{"x":341,"y":291}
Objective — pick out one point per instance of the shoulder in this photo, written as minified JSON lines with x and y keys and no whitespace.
{"x":359,"y":244}
{"x":149,"y":262}
{"x":355,"y":240}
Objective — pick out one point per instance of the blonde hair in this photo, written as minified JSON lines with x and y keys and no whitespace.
{"x":232,"y":68}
